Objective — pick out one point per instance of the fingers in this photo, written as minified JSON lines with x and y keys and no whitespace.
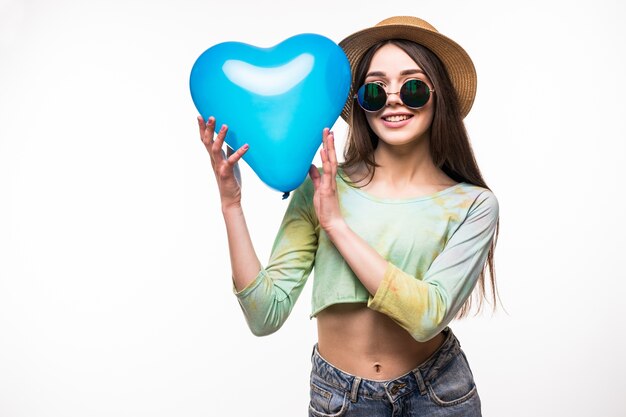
{"x":325,"y":181}
{"x":329,"y":160}
{"x":332,"y":155}
{"x":201,"y":126}
{"x":216,"y":147}
{"x":234,"y":157}
{"x":207,"y":130}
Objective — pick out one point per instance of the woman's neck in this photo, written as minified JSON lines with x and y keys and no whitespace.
{"x":407,"y":166}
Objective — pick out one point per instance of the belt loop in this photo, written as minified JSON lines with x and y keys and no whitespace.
{"x":355,"y":389}
{"x":420,"y":381}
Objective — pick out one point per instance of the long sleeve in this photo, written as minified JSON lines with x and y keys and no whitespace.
{"x":268,"y":300}
{"x":425,"y":305}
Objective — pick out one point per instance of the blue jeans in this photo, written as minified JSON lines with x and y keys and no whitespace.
{"x":441,"y":386}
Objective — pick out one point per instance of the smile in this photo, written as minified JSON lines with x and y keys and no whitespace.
{"x":398,"y":118}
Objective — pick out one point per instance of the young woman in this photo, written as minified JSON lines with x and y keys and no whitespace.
{"x":399,"y":233}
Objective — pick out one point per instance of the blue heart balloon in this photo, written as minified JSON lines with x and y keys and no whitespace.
{"x":276,"y":99}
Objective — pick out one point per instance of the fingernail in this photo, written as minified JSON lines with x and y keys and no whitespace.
{"x":245,"y":147}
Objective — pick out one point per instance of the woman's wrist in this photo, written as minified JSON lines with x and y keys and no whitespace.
{"x":337,"y":229}
{"x":230,"y":208}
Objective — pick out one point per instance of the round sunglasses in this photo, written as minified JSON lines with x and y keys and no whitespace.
{"x":414,"y":94}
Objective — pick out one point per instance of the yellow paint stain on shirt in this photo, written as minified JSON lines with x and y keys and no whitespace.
{"x":465,"y":203}
{"x":440,"y":201}
{"x":450,"y":216}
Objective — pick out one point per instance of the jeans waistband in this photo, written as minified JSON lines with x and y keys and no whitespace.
{"x":394,"y":388}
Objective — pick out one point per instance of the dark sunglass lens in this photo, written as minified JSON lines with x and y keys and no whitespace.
{"x":414,"y":93}
{"x":372,"y":97}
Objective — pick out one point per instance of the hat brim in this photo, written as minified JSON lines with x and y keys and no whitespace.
{"x":457,"y":62}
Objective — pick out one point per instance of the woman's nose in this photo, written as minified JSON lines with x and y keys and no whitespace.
{"x":393,"y":98}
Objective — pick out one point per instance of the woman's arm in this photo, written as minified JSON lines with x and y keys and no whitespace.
{"x":244,"y":262}
{"x":425,"y":306}
{"x":421,"y":306}
{"x":364,"y":261}
{"x":269,"y":299}
{"x":266,"y":295}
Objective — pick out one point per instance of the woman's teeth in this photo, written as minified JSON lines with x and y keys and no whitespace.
{"x":396,"y":118}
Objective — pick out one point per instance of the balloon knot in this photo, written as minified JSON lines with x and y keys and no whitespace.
{"x":285,"y":195}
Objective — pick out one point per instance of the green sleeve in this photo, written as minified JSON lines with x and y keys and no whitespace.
{"x":267,"y":301}
{"x":425,"y":305}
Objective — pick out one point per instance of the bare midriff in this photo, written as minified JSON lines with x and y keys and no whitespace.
{"x":368,"y":344}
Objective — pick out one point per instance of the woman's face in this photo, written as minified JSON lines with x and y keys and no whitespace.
{"x":397,"y":124}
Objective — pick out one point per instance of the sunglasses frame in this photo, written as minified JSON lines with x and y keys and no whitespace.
{"x":356,"y":96}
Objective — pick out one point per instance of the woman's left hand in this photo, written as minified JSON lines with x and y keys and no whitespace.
{"x":325,"y":198}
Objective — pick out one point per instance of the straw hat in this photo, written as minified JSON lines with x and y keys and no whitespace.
{"x":454,"y":58}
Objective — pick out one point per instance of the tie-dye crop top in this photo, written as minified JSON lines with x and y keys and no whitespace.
{"x":435,"y":246}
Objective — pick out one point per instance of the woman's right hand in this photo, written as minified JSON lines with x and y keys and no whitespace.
{"x":224,"y":165}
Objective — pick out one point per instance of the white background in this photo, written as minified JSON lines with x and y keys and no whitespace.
{"x":115,"y":292}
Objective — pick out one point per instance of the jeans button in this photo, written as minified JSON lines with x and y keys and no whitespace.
{"x":397,"y":387}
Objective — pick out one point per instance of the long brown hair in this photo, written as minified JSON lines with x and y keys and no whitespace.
{"x":450,"y":146}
